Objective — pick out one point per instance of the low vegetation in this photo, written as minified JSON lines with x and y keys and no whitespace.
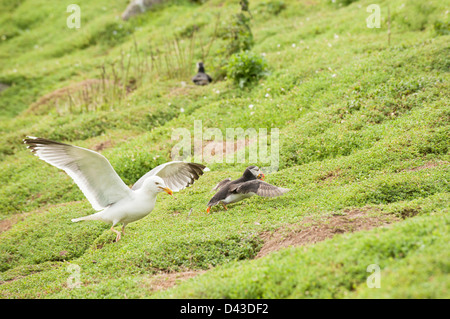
{"x":364,"y":125}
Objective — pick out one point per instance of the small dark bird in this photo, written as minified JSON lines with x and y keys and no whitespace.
{"x":201,"y":78}
{"x":249,"y":184}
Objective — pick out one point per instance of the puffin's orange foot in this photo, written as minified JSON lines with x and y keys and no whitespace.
{"x":208,"y":209}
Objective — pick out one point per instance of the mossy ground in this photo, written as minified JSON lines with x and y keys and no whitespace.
{"x":363,"y":124}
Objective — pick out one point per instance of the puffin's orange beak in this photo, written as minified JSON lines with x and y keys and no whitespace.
{"x":168,"y":190}
{"x":261,"y":176}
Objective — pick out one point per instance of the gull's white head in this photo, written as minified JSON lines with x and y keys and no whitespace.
{"x":155,"y":185}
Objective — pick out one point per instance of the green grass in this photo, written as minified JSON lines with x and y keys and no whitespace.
{"x":336,"y":268}
{"x":362,"y":124}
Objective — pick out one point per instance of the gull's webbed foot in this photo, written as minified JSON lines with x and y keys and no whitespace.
{"x":118,"y":234}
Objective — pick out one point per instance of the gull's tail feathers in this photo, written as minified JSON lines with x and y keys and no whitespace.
{"x":89,"y":217}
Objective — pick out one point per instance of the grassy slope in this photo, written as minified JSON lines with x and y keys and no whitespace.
{"x":346,"y":104}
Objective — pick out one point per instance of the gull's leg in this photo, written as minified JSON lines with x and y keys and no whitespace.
{"x":123,"y":229}
{"x":117,"y":232}
{"x":224,"y":206}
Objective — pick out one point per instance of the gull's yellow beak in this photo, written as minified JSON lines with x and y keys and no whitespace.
{"x":168,"y":190}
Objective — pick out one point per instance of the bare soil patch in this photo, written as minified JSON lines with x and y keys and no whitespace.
{"x":7,"y":223}
{"x":330,"y":176}
{"x":225,"y":148}
{"x":3,"y":86}
{"x":180,"y":91}
{"x":86,"y":91}
{"x":62,"y":93}
{"x":311,"y":230}
{"x":102,"y":145}
{"x":426,"y":165}
{"x":167,"y":280}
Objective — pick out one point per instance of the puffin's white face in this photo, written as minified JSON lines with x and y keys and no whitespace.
{"x":155,"y":184}
{"x":257,"y":172}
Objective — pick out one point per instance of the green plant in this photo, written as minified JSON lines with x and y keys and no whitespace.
{"x":237,"y":36}
{"x":442,"y":28}
{"x":246,"y":68}
{"x":271,"y":7}
{"x":175,"y":60}
{"x":341,"y":3}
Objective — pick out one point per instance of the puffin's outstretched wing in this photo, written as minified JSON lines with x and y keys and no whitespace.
{"x":177,"y":175}
{"x":90,"y":170}
{"x":260,"y":188}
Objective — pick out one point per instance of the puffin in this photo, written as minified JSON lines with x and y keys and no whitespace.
{"x":201,"y":78}
{"x":105,"y":190}
{"x":249,"y":184}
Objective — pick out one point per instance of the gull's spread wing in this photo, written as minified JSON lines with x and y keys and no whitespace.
{"x":176,"y":175}
{"x":90,"y":170}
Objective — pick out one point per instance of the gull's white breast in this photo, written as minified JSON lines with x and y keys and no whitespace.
{"x":130,"y":209}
